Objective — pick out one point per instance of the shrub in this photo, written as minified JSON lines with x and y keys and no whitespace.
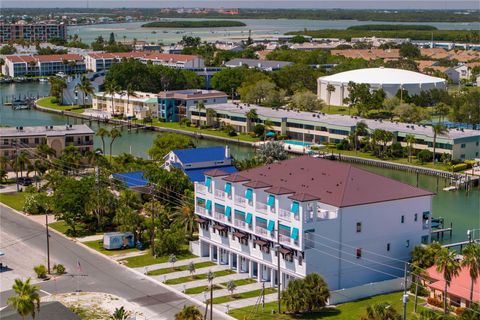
{"x":259,"y":129}
{"x":59,"y":269}
{"x":232,"y":133}
{"x":425,"y":156}
{"x":343,"y":145}
{"x":422,"y":291}
{"x":470,"y":163}
{"x":459,"y":311}
{"x":435,"y":302}
{"x":37,"y":203}
{"x":41,"y":271}
{"x":459,"y":167}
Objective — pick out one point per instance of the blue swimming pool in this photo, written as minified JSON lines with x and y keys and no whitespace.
{"x":298,"y":143}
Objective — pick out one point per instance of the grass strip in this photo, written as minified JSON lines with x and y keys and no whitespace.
{"x":180,"y":268}
{"x":148,"y":259}
{"x":242,"y":295}
{"x":238,"y":283}
{"x":202,"y":276}
{"x":14,"y":200}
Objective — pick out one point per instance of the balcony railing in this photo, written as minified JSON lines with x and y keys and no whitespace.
{"x":261,"y":207}
{"x":284,"y":214}
{"x":201,"y":210}
{"x":239,"y":223}
{"x":201,"y":188}
{"x":219,"y":194}
{"x":240,"y":201}
{"x":261,"y":230}
{"x":285,"y":239}
{"x":219,"y":216}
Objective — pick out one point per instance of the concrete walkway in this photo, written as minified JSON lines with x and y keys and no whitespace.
{"x":217,"y":280}
{"x":245,"y":303}
{"x":122,"y":256}
{"x":186,"y":273}
{"x":90,"y":238}
{"x":168,"y":264}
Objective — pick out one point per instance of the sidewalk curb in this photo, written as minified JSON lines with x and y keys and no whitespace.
{"x":169,"y":288}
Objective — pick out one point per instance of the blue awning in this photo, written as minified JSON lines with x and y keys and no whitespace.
{"x":249,"y":194}
{"x":271,"y":225}
{"x":248,"y":219}
{"x":228,"y":187}
{"x":228,"y":212}
{"x":208,"y":181}
{"x":294,"y":233}
{"x":295,"y":206}
{"x":271,"y":200}
{"x":208,"y":206}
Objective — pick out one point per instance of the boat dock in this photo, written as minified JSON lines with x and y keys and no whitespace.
{"x":441,"y":232}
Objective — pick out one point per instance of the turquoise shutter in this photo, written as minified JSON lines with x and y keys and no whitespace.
{"x":271,"y":225}
{"x":294,"y":233}
{"x":249,"y":218}
{"x":228,"y":187}
{"x":271,"y":200}
{"x":295,"y":206}
{"x":228,"y":212}
{"x":249,"y":194}
{"x":208,"y":205}
{"x":208,"y":181}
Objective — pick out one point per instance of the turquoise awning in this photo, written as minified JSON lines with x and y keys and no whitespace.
{"x":249,"y":194}
{"x":261,"y":219}
{"x":239,"y":212}
{"x":271,"y":225}
{"x":294,"y":233}
{"x":208,"y":181}
{"x":287,"y":228}
{"x":218,"y":205}
{"x":208,"y":205}
{"x":200,"y":199}
{"x":228,"y":212}
{"x":228,"y":187}
{"x":249,"y":218}
{"x":271,"y":200}
{"x":295,"y":206}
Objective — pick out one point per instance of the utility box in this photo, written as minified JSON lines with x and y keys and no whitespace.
{"x":118,"y":240}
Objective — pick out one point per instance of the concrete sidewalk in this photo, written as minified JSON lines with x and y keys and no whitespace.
{"x":186,"y":273}
{"x":217,"y":280}
{"x":245,"y":303}
{"x":169,"y":265}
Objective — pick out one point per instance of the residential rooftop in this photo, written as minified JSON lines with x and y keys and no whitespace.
{"x":144,"y":55}
{"x":195,"y":155}
{"x":254,"y":63}
{"x":44,"y":58}
{"x":192,"y":94}
{"x":334,"y":183}
{"x":7,"y":132}
{"x":318,"y":118}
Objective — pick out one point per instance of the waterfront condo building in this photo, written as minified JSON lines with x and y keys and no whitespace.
{"x":139,"y":105}
{"x":42,"y":32}
{"x":103,"y":61}
{"x":319,"y":127}
{"x":26,"y":139}
{"x":43,"y":65}
{"x":351,"y":226}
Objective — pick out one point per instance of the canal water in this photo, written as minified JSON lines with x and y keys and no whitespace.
{"x":459,"y":207}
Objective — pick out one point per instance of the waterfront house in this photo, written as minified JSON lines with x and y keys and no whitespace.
{"x":43,"y":65}
{"x":319,"y":215}
{"x":319,"y":128}
{"x":196,"y":161}
{"x":138,"y":105}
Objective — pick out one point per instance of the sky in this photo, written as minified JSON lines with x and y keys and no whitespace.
{"x":344,"y":4}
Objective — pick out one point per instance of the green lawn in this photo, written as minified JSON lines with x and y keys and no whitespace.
{"x":180,"y":268}
{"x":202,"y":276}
{"x":346,"y":311}
{"x":339,"y":110}
{"x":14,"y":200}
{"x":238,"y":283}
{"x":218,"y":133}
{"x":60,"y":226}
{"x":98,"y":245}
{"x":243,"y":295}
{"x":148,"y":259}
{"x":47,"y":102}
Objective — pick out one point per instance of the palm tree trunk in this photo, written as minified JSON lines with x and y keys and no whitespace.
{"x":416,"y":296}
{"x":434,"y":145}
{"x":445,"y":307}
{"x":471,"y":292}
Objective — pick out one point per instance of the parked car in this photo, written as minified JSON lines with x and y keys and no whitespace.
{"x":25,"y":181}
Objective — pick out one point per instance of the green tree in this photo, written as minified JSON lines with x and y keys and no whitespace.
{"x":361,"y":129}
{"x":86,"y":87}
{"x":294,"y":296}
{"x":7,"y":49}
{"x":57,"y":86}
{"x":120,"y":314}
{"x":130,"y":92}
{"x":184,"y":214}
{"x":170,"y":241}
{"x":317,"y":292}
{"x":102,"y":133}
{"x":438,"y":129}
{"x":409,"y":50}
{"x":189,"y":313}
{"x":231,"y":286}
{"x":410,"y":140}
{"x":263,"y":92}
{"x":296,"y":77}
{"x":114,"y":134}
{"x":165,"y":142}
{"x":381,"y":311}
{"x":471,"y":260}
{"x":330,"y":90}
{"x":305,"y":101}
{"x":424,"y":156}
{"x":442,"y":110}
{"x":447,"y":264}
{"x":25,"y":300}
{"x":112,"y":88}
{"x":271,"y":152}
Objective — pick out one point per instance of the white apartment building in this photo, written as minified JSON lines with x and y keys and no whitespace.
{"x":351,"y":226}
{"x":137,"y":106}
{"x":43,"y":65}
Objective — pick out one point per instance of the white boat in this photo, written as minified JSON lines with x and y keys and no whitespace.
{"x":451,"y":188}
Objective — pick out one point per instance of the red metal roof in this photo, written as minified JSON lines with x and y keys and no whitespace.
{"x":45,"y":58}
{"x":216,"y":173}
{"x":145,"y":55}
{"x":331,"y":182}
{"x":459,"y":286}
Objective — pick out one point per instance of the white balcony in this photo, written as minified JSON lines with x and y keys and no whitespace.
{"x":201,"y":188}
{"x":284,"y":214}
{"x":219,"y":216}
{"x":239,"y":223}
{"x":219,"y":194}
{"x":261,"y":231}
{"x":201,"y":210}
{"x":261,"y":207}
{"x":240,"y":201}
{"x":285,"y":239}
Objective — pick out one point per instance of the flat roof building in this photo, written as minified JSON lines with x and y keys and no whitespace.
{"x":265,"y":65}
{"x":41,"y":32}
{"x":43,"y":65}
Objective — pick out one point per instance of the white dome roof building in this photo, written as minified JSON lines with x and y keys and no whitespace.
{"x":389,"y":79}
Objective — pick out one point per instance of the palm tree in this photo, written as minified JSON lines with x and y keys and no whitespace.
{"x":293,"y":296}
{"x":184,"y":214}
{"x":191,"y":268}
{"x":111,"y":88}
{"x":114,"y":134}
{"x":438,"y":129}
{"x":85,"y":86}
{"x":381,"y":311}
{"x":120,"y":314}
{"x":361,"y":129}
{"x":210,"y":114}
{"x":410,"y":139}
{"x":45,"y":151}
{"x":23,"y":161}
{"x":102,"y":133}
{"x":130,"y":92}
{"x":330,"y":89}
{"x":252,"y":116}
{"x":26,"y":300}
{"x":316,"y":290}
{"x":448,"y":265}
{"x":471,"y":260}
{"x":231,"y":286}
{"x":189,"y":313}
{"x":418,"y":274}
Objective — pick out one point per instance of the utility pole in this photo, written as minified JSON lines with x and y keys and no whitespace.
{"x":405,"y":295}
{"x":278,"y":266}
{"x":263,"y":295}
{"x":211,"y":300}
{"x":48,"y":243}
{"x":16,"y":163}
{"x":152,"y":236}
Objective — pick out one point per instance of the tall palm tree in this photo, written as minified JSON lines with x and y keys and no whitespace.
{"x":114,"y":134}
{"x":189,"y":313}
{"x":102,"y":133}
{"x":26,"y":300}
{"x":330,"y":89}
{"x":361,"y":129}
{"x":471,"y":260}
{"x":45,"y":151}
{"x":293,"y":296}
{"x":381,"y":311}
{"x":130,"y":92}
{"x":448,"y":265}
{"x":184,"y":214}
{"x":85,"y":86}
{"x":111,"y":88}
{"x":252,"y":116}
{"x":410,"y":139}
{"x":438,"y":129}
{"x":23,"y":161}
{"x":210,"y":114}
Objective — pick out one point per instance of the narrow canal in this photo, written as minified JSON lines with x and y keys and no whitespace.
{"x":458,"y":207}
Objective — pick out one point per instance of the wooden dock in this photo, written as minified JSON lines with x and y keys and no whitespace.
{"x":441,"y":232}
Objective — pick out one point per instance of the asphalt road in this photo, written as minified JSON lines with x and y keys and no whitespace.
{"x":97,"y":273}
